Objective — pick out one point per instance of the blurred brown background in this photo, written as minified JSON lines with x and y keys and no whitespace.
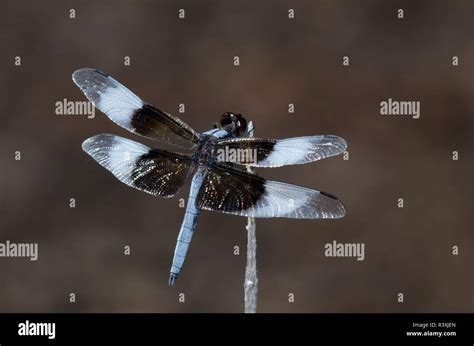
{"x":282,"y":61}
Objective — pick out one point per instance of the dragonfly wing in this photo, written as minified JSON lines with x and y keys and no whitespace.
{"x":128,"y":111}
{"x":230,"y":190}
{"x":275,"y":153}
{"x":157,"y":172}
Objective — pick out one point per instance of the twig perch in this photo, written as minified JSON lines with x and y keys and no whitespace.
{"x":251,"y":279}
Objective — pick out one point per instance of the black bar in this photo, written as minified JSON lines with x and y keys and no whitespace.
{"x":239,"y":328}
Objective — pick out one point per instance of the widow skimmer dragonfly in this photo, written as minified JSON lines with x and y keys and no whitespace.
{"x":216,"y":185}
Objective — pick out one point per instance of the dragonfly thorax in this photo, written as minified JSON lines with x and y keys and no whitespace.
{"x":205,"y":149}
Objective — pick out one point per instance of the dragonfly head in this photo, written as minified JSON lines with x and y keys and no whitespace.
{"x":233,"y":123}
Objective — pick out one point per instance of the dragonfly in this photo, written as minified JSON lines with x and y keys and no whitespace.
{"x":219,"y":182}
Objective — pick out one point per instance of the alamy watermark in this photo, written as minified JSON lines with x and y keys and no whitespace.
{"x":409,"y":108}
{"x":336,"y":249}
{"x":28,"y":328}
{"x":80,"y":108}
{"x":29,"y":250}
{"x":240,"y":155}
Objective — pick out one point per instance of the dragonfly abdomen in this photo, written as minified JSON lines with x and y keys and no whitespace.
{"x":191,"y":218}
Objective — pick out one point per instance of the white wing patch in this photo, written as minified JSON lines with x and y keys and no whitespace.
{"x":108,"y":95}
{"x":292,"y":201}
{"x":116,"y":154}
{"x":299,"y":150}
